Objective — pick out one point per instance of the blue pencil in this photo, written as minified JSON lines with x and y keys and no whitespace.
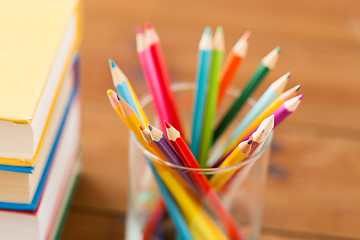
{"x":122,"y":87}
{"x":203,"y":71}
{"x":173,"y":210}
{"x":273,"y":92}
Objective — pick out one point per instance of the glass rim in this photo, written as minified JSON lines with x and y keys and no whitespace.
{"x":146,"y":99}
{"x":258,"y":153}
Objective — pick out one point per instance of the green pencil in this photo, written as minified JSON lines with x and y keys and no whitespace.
{"x":209,"y":117}
{"x":267,"y":63}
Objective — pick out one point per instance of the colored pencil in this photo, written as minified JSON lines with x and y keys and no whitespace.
{"x":147,"y":137}
{"x":257,"y":138}
{"x":261,"y":133}
{"x":232,"y":64}
{"x":163,"y":73}
{"x":210,"y":107}
{"x":133,"y":122}
{"x":266,"y":113}
{"x":159,"y":211}
{"x":195,"y":215}
{"x":151,"y":75}
{"x":173,"y":209}
{"x":267,"y":63}
{"x":181,"y":190}
{"x":287,"y":108}
{"x":270,"y":95}
{"x":201,"y":181}
{"x":202,"y":78}
{"x":130,"y":118}
{"x":263,"y":125}
{"x":235,"y":157}
{"x":163,"y":143}
{"x":284,"y":110}
{"x":126,"y":91}
{"x":115,"y":102}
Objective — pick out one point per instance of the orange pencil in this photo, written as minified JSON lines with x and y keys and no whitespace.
{"x":232,"y":64}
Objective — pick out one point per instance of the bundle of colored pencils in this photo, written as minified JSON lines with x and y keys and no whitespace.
{"x":186,"y":193}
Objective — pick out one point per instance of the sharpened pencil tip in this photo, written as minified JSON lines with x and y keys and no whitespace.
{"x":297,"y":87}
{"x":278,"y":49}
{"x":112,"y":64}
{"x":167,"y":125}
{"x":118,"y":97}
{"x":141,"y":127}
{"x":250,"y":142}
{"x":288,"y":74}
{"x":300,"y":96}
{"x":138,"y":29}
{"x":148,"y":25}
{"x":207,"y":31}
{"x":219,"y":29}
{"x":150,"y":127}
{"x":110,"y":92}
{"x":247,"y":35}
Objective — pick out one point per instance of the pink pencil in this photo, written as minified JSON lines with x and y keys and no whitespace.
{"x":284,"y":110}
{"x":153,"y":39}
{"x":287,"y":108}
{"x":152,"y":77}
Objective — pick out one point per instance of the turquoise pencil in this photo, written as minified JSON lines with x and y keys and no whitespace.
{"x":173,"y":209}
{"x":273,"y":92}
{"x":203,"y":71}
{"x":119,"y":80}
{"x":212,"y":95}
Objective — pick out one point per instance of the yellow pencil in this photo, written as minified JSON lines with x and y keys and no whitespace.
{"x":147,"y":137}
{"x":200,"y":224}
{"x":115,"y":102}
{"x":236,"y":157}
{"x":257,"y":138}
{"x":266,"y":113}
{"x":133,"y":122}
{"x":196,"y":217}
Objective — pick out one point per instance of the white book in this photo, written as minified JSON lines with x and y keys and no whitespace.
{"x":32,"y":65}
{"x":19,"y":225}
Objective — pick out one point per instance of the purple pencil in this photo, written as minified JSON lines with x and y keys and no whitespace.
{"x":280,"y":114}
{"x":163,"y":143}
{"x":287,"y":108}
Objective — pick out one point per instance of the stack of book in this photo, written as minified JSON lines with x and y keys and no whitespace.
{"x":39,"y":115}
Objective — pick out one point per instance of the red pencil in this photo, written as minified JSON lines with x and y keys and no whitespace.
{"x":164,"y":77}
{"x":202,"y":182}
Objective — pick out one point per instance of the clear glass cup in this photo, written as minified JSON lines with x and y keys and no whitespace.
{"x":242,"y":198}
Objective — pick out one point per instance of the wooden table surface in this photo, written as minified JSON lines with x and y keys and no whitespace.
{"x":314,"y":179}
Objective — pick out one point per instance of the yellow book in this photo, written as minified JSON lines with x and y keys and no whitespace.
{"x":37,"y":41}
